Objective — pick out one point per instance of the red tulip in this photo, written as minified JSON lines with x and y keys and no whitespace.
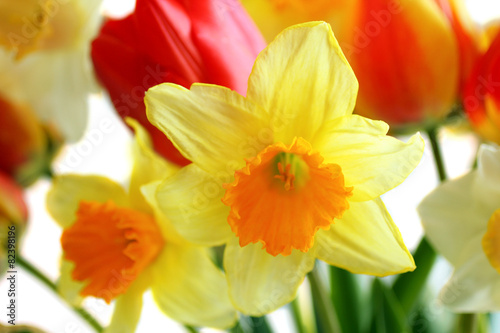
{"x":13,"y":217}
{"x":481,"y":97}
{"x":174,"y":41}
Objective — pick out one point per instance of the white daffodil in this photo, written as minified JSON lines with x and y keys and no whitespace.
{"x":45,"y":59}
{"x":461,"y":219}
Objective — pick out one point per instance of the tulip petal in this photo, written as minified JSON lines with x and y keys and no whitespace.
{"x":227,"y":39}
{"x":259,"y":282}
{"x":148,"y":165}
{"x":209,"y":124}
{"x":128,"y":307}
{"x":68,"y":190}
{"x":302,"y":79}
{"x":442,"y":206}
{"x":371,"y":161}
{"x":365,"y":241}
{"x":475,"y":285}
{"x":189,"y":288}
{"x":191,"y":200}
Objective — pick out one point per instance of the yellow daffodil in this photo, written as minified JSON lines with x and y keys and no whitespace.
{"x":287,"y":174}
{"x":45,"y":59}
{"x":461,"y":219}
{"x":117,"y":244}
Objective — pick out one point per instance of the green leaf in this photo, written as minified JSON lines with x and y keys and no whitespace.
{"x":408,"y":286}
{"x":345,"y":299}
{"x":388,"y":315}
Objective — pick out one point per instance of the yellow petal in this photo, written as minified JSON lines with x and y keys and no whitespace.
{"x":189,"y":288}
{"x":148,"y":165}
{"x":365,"y":241}
{"x":67,"y":191}
{"x":68,"y":288}
{"x":128,"y":307}
{"x":302,"y":79}
{"x":450,"y":219}
{"x":260,"y":283}
{"x":210,"y":125}
{"x":191,"y":200}
{"x":371,"y":161}
{"x":170,"y":234}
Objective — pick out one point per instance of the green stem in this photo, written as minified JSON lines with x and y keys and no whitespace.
{"x":190,"y":329}
{"x":297,"y":317}
{"x":407,"y":286}
{"x":467,"y":323}
{"x":26,"y":265}
{"x":326,"y":317}
{"x":436,"y":152}
{"x":345,"y":299}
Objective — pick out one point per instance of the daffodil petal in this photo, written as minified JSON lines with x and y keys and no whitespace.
{"x":128,"y":307}
{"x":365,"y":241}
{"x":191,"y":200}
{"x":371,"y":161}
{"x":259,"y":282}
{"x":62,"y":82}
{"x":210,"y":125}
{"x":148,"y":165}
{"x":303,"y":79}
{"x":442,"y":206}
{"x":189,"y":288}
{"x":170,"y":234}
{"x":475,"y":285}
{"x":68,"y":190}
{"x":68,"y":288}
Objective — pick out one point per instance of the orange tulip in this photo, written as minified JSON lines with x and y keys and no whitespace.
{"x":481,"y":97}
{"x":27,"y":146}
{"x":467,"y":34}
{"x":403,"y":52}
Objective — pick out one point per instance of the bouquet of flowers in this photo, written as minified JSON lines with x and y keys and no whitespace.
{"x":224,"y":164}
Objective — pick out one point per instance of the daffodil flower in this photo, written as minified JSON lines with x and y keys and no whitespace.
{"x":287,"y":174}
{"x":461,"y":219}
{"x":45,"y":59}
{"x":117,"y":244}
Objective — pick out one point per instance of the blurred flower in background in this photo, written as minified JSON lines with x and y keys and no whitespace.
{"x":174,"y":41}
{"x":45,"y":59}
{"x":481,"y":95}
{"x":461,"y":219}
{"x":27,"y":145}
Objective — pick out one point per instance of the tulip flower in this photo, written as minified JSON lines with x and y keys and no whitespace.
{"x":13,"y":218}
{"x":176,"y":41}
{"x":287,"y":174}
{"x":467,"y":34}
{"x":117,"y":245}
{"x":481,"y":97}
{"x":45,"y":61}
{"x":27,"y":146}
{"x":461,"y":219}
{"x":404,"y":53}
